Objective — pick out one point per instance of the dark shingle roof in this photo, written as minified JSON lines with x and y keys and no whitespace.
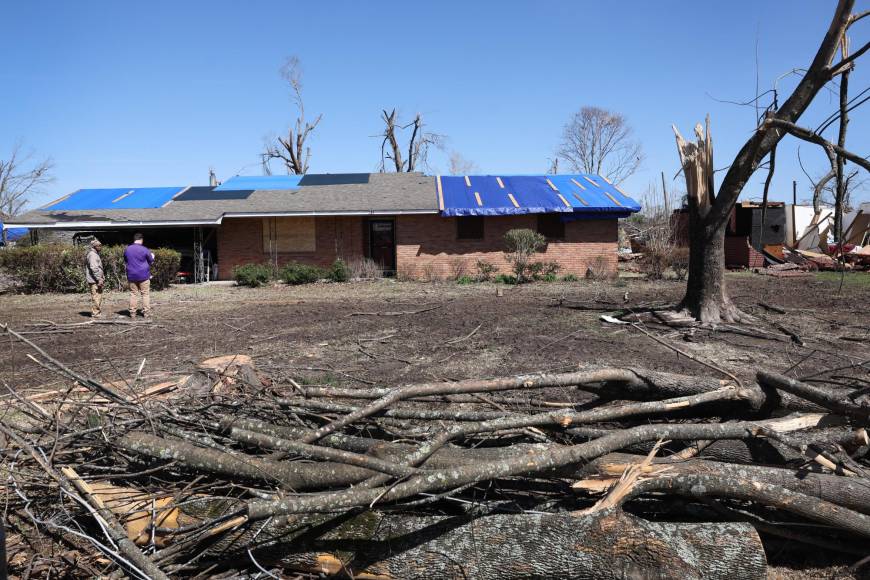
{"x":384,"y":193}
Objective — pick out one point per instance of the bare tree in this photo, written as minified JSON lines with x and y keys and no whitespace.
{"x":291,"y":149}
{"x":459,"y":165}
{"x":417,"y":148}
{"x":21,"y":176}
{"x":601,"y":142}
{"x":706,"y":297}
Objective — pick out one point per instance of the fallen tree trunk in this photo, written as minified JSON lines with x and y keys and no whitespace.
{"x":512,"y":547}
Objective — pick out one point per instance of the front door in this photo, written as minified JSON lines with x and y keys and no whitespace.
{"x":382,"y":244}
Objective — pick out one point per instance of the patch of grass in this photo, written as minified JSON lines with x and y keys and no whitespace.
{"x":570,"y":278}
{"x":465,"y":280}
{"x":505,"y":279}
{"x":854,"y":279}
{"x":327,"y":380}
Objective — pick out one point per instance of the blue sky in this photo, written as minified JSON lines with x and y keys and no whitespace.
{"x":124,"y":94}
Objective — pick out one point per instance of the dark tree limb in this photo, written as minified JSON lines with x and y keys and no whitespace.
{"x":808,"y":135}
{"x":851,"y":493}
{"x":705,"y":486}
{"x":296,"y":476}
{"x":833,"y":401}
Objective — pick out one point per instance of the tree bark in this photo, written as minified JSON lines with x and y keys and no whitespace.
{"x":606,"y":545}
{"x":294,"y":476}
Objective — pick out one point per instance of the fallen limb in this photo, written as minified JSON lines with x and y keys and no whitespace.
{"x":540,"y":462}
{"x":850,"y":493}
{"x":744,"y":488}
{"x":295,"y":476}
{"x":834,"y":401}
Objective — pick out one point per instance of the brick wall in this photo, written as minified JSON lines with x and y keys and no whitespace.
{"x":427,"y":245}
{"x":240,"y":241}
{"x":740,"y":254}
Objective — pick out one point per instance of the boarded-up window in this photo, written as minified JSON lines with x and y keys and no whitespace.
{"x":551,"y":226}
{"x":469,"y":228}
{"x":288,"y":235}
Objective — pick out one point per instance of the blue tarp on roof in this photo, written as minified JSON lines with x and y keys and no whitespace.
{"x":573,"y":195}
{"x":13,"y":234}
{"x":115,"y":198}
{"x":252,"y":182}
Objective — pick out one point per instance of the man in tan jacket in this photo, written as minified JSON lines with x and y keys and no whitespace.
{"x":95,"y":277}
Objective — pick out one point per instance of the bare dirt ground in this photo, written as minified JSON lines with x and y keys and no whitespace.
{"x":390,"y":333}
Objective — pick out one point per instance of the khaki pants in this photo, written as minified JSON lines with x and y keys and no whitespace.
{"x":96,"y":299}
{"x":142,"y":289}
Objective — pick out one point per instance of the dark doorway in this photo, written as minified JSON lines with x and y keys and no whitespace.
{"x":382,"y":244}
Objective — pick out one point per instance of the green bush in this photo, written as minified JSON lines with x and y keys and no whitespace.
{"x":505,"y":279}
{"x":465,"y":280}
{"x":549,"y":277}
{"x":521,"y":245}
{"x":570,"y":278}
{"x":61,"y":268}
{"x":295,"y":273}
{"x":253,"y":275}
{"x":340,"y":271}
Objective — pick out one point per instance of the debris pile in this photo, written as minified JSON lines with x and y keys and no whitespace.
{"x":596,"y":473}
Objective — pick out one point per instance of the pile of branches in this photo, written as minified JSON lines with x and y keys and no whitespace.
{"x":596,"y":473}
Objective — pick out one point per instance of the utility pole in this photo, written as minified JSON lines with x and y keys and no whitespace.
{"x":665,"y":194}
{"x":793,"y":213}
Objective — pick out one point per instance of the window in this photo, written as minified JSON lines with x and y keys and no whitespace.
{"x":551,"y":226}
{"x":469,"y":227}
{"x":288,"y":235}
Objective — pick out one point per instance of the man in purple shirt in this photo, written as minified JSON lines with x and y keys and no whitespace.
{"x":138,"y":259}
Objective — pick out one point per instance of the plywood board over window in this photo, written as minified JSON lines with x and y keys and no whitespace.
{"x":289,"y":235}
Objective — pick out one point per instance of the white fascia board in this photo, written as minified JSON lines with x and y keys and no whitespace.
{"x":109,"y":225}
{"x":330,"y":213}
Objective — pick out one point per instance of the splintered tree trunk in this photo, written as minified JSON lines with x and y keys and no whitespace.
{"x":706,"y":297}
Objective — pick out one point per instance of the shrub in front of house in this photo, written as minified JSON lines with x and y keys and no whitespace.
{"x":522,"y":244}
{"x":505,"y":279}
{"x":463,"y":280}
{"x":340,"y":271}
{"x":570,"y":278}
{"x":485,"y":270}
{"x":295,"y":273}
{"x":61,"y":268}
{"x":252,"y":275}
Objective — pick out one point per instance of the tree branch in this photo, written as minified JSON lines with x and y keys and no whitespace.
{"x":807,"y":135}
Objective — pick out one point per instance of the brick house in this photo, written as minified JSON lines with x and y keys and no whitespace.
{"x":418,"y":226}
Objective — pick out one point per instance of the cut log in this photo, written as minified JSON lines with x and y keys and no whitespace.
{"x":513,"y":547}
